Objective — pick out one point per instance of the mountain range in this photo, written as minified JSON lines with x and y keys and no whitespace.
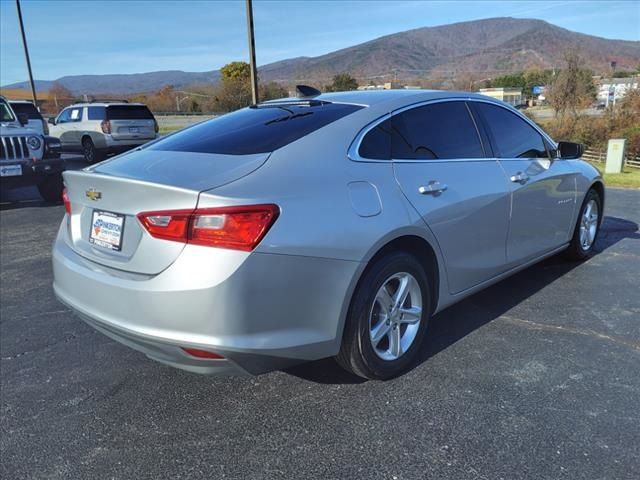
{"x":482,"y":48}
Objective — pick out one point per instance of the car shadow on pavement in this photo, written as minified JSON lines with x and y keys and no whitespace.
{"x":461,"y":319}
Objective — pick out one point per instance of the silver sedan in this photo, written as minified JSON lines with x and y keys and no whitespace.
{"x":332,"y":225}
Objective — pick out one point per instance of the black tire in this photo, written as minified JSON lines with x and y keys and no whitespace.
{"x":51,"y":188}
{"x":357,"y":353}
{"x":576,"y":251}
{"x":90,"y":152}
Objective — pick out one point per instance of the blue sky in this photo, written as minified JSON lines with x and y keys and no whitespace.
{"x":96,"y":37}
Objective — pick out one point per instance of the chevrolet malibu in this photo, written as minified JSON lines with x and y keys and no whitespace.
{"x":331,"y":225}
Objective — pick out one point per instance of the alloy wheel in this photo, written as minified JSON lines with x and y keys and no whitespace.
{"x":589,"y":225}
{"x":395,"y":316}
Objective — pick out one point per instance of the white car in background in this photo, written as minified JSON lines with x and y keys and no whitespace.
{"x":98,"y":129}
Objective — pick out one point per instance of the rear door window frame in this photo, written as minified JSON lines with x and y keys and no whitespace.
{"x":354,"y":149}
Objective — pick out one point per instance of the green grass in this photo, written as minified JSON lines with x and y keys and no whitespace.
{"x":629,"y":178}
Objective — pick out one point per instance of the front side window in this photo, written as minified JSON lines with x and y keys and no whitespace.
{"x":260,"y":129}
{"x":64,"y":116}
{"x":75,"y":114}
{"x":437,"y":131}
{"x":512,"y":136}
{"x":5,"y":113}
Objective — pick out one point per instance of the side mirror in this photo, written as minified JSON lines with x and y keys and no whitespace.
{"x":570,"y":150}
{"x":52,"y":120}
{"x":23,"y":118}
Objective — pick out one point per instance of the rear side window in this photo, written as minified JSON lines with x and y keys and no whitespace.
{"x":26,"y":109}
{"x":255,"y":129}
{"x":97,"y":113}
{"x":128,"y":112}
{"x":511,"y":136}
{"x":376,"y":144}
{"x":438,"y":131}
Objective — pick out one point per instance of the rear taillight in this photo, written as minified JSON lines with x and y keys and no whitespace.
{"x":237,"y":228}
{"x":45,"y":127}
{"x":196,"y":352}
{"x":105,"y":125}
{"x":67,"y":202}
{"x":156,"y":127}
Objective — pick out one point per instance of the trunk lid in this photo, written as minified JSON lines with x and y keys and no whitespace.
{"x":116,"y":191}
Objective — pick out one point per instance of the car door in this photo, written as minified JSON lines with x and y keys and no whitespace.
{"x":543,"y":188}
{"x":74,"y":134}
{"x":462,"y":195}
{"x":61,"y":128}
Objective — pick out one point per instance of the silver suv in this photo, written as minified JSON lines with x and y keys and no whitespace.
{"x":100,"y":128}
{"x":27,"y":157}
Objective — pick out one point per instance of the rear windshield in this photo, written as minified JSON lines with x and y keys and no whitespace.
{"x":128,"y":112}
{"x":26,"y":109}
{"x":255,"y":129}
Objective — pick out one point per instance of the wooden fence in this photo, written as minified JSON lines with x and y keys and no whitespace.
{"x":601,"y":156}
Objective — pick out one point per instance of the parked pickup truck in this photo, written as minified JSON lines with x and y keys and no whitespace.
{"x":27,"y":157}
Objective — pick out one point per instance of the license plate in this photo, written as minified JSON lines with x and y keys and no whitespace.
{"x":134,"y":130}
{"x":106,"y":230}
{"x":10,"y":170}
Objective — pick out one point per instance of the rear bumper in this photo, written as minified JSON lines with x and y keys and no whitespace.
{"x":261,"y":312}
{"x":118,"y":146}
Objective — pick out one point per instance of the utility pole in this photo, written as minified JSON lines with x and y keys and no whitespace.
{"x":26,"y":54}
{"x":252,"y":54}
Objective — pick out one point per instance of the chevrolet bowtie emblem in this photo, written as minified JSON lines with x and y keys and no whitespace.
{"x":93,"y":194}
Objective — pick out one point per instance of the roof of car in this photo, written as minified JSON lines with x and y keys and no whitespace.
{"x":373,"y":97}
{"x":106,"y":104}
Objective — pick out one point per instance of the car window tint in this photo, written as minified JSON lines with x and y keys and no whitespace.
{"x":129,"y":112}
{"x":5,"y":113}
{"x":26,"y":109}
{"x":376,"y":144}
{"x":96,"y":113}
{"x":75,"y":114}
{"x":255,"y":129}
{"x":64,"y":116}
{"x":512,"y":136}
{"x":438,"y":131}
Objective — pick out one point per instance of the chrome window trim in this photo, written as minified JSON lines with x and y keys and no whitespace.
{"x":353,"y":151}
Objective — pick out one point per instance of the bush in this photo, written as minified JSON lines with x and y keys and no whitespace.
{"x":595,"y":132}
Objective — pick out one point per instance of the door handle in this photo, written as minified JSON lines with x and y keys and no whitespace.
{"x":433,"y":188}
{"x":520,"y":178}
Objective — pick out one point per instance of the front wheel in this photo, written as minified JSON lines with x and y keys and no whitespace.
{"x":51,"y":188}
{"x":587,"y":228}
{"x":387,"y":319}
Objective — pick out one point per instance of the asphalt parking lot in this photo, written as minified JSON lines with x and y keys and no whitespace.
{"x":534,"y":378}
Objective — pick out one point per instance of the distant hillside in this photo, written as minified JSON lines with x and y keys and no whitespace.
{"x":125,"y":83}
{"x":485,"y":48}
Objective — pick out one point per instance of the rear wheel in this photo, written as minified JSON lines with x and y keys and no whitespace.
{"x":387,"y":318}
{"x":91,"y":153}
{"x":51,"y":188}
{"x":587,"y":227}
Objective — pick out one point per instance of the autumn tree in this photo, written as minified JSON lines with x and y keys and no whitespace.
{"x":234,"y":90}
{"x":573,"y":87}
{"x":58,"y":97}
{"x":342,"y":82}
{"x":272,"y":90}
